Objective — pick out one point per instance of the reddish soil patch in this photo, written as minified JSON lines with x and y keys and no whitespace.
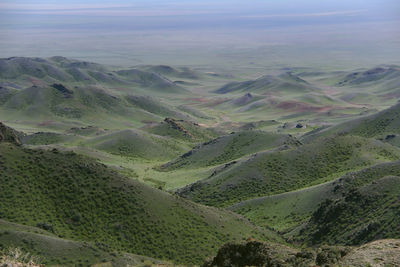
{"x":45,"y":123}
{"x":391,"y":95}
{"x":198,"y":99}
{"x":37,"y":82}
{"x":302,"y":107}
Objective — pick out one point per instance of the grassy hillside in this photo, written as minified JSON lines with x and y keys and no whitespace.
{"x":287,"y":211}
{"x":134,"y":143}
{"x":25,"y":243}
{"x":253,"y":253}
{"x":275,"y":172}
{"x":386,"y":78}
{"x":363,"y":208}
{"x":229,"y":147}
{"x":182,"y":130}
{"x":69,"y":92}
{"x":384,"y":125}
{"x":267,"y":84}
{"x":76,"y":198}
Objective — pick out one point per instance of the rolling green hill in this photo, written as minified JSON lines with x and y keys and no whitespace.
{"x":384,"y":125}
{"x":363,"y":207}
{"x":387,"y":78}
{"x":286,"y":82}
{"x":286,"y":211}
{"x":77,"y":198}
{"x":134,"y":143}
{"x":230,"y":147}
{"x":274,"y":172}
{"x":182,"y":130}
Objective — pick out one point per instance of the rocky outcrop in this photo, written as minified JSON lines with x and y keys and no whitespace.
{"x":254,"y":253}
{"x":8,"y":134}
{"x":175,"y":125}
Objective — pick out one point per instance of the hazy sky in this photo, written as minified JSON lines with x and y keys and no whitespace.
{"x":156,"y":31}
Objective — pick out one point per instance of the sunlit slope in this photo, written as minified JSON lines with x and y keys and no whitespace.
{"x":289,"y":210}
{"x":230,"y":147}
{"x":275,"y":172}
{"x":85,"y":201}
{"x":384,"y":125}
{"x":366,"y":210}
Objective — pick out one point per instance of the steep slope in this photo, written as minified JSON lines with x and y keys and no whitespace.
{"x":364,"y":208}
{"x":287,"y":211}
{"x":253,"y":253}
{"x":275,"y":172}
{"x":76,"y":198}
{"x":286,"y":82}
{"x":182,"y":130}
{"x":8,"y":134}
{"x":23,"y":244}
{"x":227,"y":148}
{"x":384,"y":125}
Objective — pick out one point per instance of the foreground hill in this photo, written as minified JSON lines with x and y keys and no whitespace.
{"x":29,"y":245}
{"x":254,"y":253}
{"x":274,"y":172}
{"x":287,"y":211}
{"x":77,"y":198}
{"x":364,"y":207}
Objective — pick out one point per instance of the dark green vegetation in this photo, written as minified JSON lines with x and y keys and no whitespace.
{"x":8,"y":134}
{"x":364,"y":208}
{"x":136,"y":144}
{"x":274,"y":172}
{"x":182,"y":130}
{"x":76,"y":198}
{"x":253,"y":253}
{"x":230,"y":147}
{"x":384,"y":125}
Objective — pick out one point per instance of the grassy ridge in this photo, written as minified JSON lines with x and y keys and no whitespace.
{"x":79,"y":199}
{"x":134,"y":143}
{"x":226,"y":148}
{"x":384,"y":125}
{"x":285,"y":82}
{"x":363,"y":214}
{"x":289,"y":210}
{"x":276,"y":172}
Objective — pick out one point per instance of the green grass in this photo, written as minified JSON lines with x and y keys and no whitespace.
{"x":270,"y":173}
{"x":85,"y":201}
{"x":50,"y":250}
{"x":230,"y":147}
{"x":285,"y":211}
{"x":182,"y":130}
{"x":134,"y":143}
{"x":362,"y":214}
{"x":378,"y":125}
